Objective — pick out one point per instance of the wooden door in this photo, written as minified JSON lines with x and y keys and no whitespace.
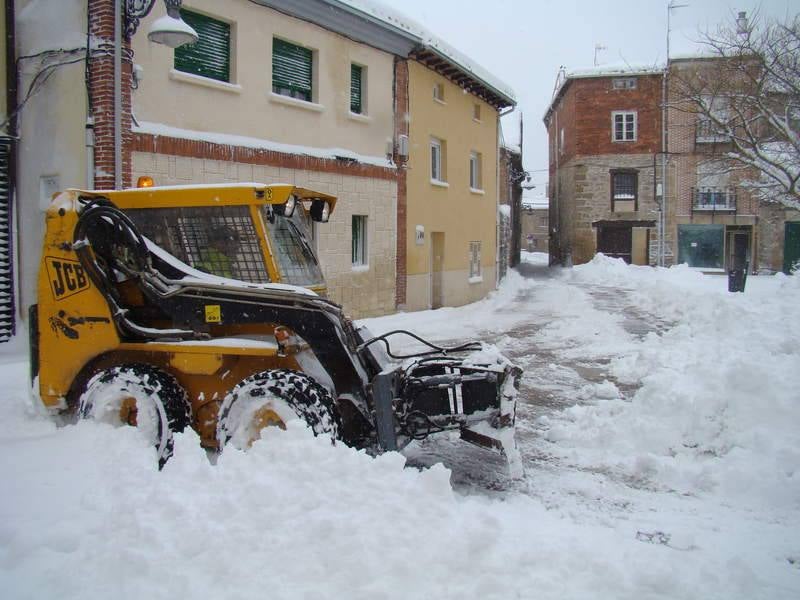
{"x":616,"y":242}
{"x":437,"y":267}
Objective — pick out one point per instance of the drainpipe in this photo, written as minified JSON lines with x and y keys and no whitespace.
{"x":500,"y":115}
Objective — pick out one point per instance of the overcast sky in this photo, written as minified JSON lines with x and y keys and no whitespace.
{"x":524,"y":42}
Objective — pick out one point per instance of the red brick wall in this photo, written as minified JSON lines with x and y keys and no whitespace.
{"x":401,"y":128}
{"x":584,"y":112}
{"x":595,"y":101}
{"x":160,"y":144}
{"x":101,"y":94}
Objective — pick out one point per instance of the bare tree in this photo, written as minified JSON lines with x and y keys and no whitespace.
{"x":746,"y":96}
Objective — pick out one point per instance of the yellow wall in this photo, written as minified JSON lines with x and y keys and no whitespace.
{"x":247,"y":106}
{"x":462,"y":214}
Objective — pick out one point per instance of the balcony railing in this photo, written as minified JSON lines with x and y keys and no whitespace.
{"x":706,"y":132}
{"x":707,"y":199}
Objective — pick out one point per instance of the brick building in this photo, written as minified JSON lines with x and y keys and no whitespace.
{"x":604,"y":131}
{"x":607,"y":190}
{"x":718,"y":224}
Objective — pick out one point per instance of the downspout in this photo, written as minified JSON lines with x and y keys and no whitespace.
{"x":12,"y":104}
{"x":556,"y":197}
{"x":500,"y":115}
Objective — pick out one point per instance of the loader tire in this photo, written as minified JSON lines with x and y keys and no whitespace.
{"x":272,"y":398}
{"x":142,"y":396}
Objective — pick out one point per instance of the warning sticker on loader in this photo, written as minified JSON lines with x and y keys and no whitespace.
{"x":67,"y":277}
{"x":213,"y":313}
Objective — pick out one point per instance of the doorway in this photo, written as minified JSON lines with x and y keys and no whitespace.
{"x":791,"y":247}
{"x":615,"y":241}
{"x":437,"y":266}
{"x":738,"y":248}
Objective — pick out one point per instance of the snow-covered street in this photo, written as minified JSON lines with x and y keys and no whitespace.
{"x":658,"y":423}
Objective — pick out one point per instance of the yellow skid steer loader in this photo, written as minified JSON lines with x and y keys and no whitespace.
{"x":204,"y":306}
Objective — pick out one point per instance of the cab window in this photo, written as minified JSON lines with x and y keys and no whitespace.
{"x":220,"y":240}
{"x":289,"y":237}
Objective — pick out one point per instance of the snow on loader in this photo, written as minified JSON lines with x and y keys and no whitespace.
{"x":205,"y":306}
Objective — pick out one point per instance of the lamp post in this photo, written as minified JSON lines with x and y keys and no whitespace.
{"x":169,"y":30}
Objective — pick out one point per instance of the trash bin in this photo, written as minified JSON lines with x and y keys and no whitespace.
{"x":737,"y":278}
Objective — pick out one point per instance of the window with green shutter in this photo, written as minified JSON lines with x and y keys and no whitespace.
{"x":292,"y":73}
{"x":356,"y":89}
{"x":210,"y":56}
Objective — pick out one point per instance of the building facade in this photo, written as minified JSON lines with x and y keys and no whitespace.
{"x":604,"y":132}
{"x":452,"y":180}
{"x":607,"y":190}
{"x":718,"y":224}
{"x":314,"y":93}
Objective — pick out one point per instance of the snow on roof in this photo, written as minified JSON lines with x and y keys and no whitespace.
{"x":430,"y":41}
{"x":615,"y":70}
{"x":258,"y":143}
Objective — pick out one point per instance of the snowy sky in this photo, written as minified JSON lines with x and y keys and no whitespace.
{"x":525,"y":42}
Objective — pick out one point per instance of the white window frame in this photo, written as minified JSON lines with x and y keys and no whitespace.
{"x":475,"y":179}
{"x":625,"y":114}
{"x":624,"y":83}
{"x":437,"y":173}
{"x":475,"y":274}
{"x":438,"y":92}
{"x":360,"y":242}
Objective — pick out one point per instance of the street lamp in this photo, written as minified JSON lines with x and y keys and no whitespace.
{"x":169,"y":30}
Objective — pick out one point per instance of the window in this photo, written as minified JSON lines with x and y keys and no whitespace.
{"x":624,"y":191}
{"x":292,"y":70}
{"x":475,"y":179}
{"x":623,"y":126}
{"x":289,"y":238}
{"x":438,"y":92}
{"x":561,"y":142}
{"x":476,"y":112}
{"x":474,"y":260}
{"x":357,"y":104}
{"x":437,"y":160}
{"x":708,"y":131}
{"x":360,"y":241}
{"x":701,"y":245}
{"x":624,"y":83}
{"x":210,"y":56}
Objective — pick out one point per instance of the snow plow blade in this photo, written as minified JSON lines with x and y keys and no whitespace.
{"x":435,"y":392}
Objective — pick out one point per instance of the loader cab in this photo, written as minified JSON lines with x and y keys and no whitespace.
{"x":234,"y":232}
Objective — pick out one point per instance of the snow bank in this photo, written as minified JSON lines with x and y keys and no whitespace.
{"x":89,"y":516}
{"x":717,"y":410}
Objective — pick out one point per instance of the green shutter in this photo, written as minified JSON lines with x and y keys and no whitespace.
{"x":291,"y":70}
{"x":355,"y":89}
{"x":210,"y":56}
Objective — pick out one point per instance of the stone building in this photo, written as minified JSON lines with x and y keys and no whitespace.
{"x":604,"y":131}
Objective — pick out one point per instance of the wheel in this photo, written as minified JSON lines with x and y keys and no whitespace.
{"x":273,"y":398}
{"x":142,"y":396}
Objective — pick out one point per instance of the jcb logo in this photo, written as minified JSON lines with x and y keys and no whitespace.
{"x":67,"y":277}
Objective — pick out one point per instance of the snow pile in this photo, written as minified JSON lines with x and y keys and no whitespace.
{"x":717,"y":410}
